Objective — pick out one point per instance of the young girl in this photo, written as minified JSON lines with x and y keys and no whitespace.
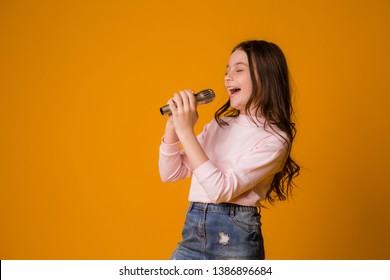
{"x":240,"y":158}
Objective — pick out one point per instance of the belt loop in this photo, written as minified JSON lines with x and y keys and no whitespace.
{"x":232,"y":210}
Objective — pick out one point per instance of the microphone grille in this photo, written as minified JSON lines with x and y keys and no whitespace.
{"x":208,"y":93}
{"x":205,"y":96}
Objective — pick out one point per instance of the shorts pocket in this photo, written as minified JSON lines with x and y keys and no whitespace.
{"x":247,"y":221}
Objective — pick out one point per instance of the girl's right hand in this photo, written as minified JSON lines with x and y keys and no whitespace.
{"x":184,"y":112}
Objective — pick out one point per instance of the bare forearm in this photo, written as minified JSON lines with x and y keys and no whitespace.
{"x":170,"y":135}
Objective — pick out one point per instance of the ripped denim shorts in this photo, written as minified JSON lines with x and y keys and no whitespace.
{"x":221,"y":232}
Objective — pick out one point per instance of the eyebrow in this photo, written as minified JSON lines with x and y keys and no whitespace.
{"x":237,"y":63}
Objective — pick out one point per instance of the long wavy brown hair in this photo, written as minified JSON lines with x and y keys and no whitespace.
{"x":270,"y":99}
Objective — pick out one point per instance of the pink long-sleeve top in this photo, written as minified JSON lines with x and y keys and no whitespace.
{"x":243,"y":159}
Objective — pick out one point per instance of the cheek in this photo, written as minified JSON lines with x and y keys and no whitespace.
{"x":248,"y":88}
{"x":247,"y":81}
{"x":247,"y":96}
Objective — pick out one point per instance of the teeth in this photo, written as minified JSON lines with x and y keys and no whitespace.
{"x":233,"y":89}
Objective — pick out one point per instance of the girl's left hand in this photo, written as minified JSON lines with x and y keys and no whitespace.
{"x":184,"y":114}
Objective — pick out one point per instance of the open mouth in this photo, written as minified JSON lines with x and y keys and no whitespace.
{"x":233,"y":91}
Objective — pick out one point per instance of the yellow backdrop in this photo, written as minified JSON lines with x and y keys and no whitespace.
{"x":81,"y":83}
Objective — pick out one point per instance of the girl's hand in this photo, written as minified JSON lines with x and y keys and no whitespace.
{"x":184,"y":114}
{"x":184,"y":117}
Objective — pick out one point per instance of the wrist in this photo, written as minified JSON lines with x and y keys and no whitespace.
{"x":186,"y":135}
{"x":170,"y":135}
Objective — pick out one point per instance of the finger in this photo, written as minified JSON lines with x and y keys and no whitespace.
{"x":172,"y":105}
{"x":191,"y":98}
{"x":186,"y":102}
{"x":178,"y":101}
{"x":191,"y":91}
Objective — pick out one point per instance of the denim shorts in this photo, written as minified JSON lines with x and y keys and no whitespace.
{"x":221,"y":232}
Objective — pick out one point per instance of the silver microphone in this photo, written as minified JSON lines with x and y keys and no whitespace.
{"x":202,"y":97}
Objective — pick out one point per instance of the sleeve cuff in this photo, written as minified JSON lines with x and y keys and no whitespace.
{"x":169,"y":149}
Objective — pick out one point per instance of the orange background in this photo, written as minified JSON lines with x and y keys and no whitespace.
{"x":81,"y":83}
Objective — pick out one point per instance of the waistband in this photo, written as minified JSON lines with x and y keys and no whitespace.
{"x":223,"y":207}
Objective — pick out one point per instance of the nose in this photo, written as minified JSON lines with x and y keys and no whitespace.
{"x":228,"y":77}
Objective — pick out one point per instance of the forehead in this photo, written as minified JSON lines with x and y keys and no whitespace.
{"x":238,"y":57}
